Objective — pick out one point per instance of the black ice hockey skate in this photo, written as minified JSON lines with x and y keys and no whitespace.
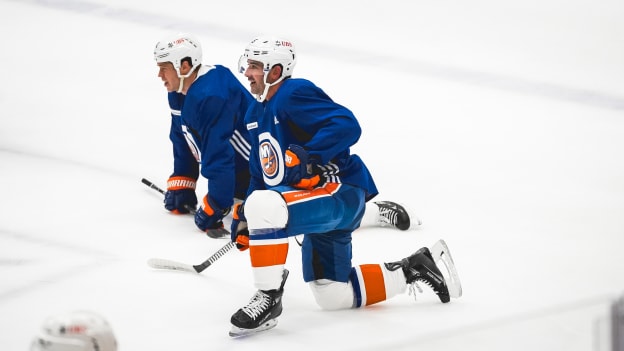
{"x":421,"y":267}
{"x":393,"y":214}
{"x":260,"y":313}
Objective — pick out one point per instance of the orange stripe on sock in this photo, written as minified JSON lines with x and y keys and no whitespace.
{"x":373,"y":283}
{"x":268,"y":255}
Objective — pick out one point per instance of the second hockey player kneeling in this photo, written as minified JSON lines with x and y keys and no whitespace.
{"x":306,"y":181}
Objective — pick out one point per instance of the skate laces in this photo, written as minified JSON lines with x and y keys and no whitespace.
{"x":258,"y":304}
{"x":419,"y":278}
{"x":422,"y":279}
{"x":413,"y":286}
{"x":387,"y":215}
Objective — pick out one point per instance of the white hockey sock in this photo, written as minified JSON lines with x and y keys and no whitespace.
{"x":395,"y":281}
{"x":371,"y":215}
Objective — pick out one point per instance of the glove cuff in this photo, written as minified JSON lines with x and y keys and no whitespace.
{"x":292,"y":158}
{"x":211,"y":207}
{"x":238,"y":212}
{"x":180,"y":182}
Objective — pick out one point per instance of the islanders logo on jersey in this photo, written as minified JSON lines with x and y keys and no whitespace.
{"x":271,"y":159}
{"x":268,"y":159}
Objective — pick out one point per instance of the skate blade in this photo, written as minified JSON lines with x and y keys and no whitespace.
{"x":237,"y":332}
{"x":440,"y":252}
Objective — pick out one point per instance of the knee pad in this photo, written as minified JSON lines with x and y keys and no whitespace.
{"x":332,"y":295}
{"x":266,"y":209}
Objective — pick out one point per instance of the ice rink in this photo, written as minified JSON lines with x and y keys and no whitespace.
{"x":500,"y":125}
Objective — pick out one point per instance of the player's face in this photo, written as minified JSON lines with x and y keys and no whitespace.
{"x":255,"y":76}
{"x":169,"y":76}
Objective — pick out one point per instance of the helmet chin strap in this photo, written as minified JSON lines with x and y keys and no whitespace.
{"x":185,"y":76}
{"x":262,"y":96}
{"x":181,"y":84}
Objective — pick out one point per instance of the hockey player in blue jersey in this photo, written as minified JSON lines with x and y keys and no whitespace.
{"x":208,"y":104}
{"x":208,"y":134}
{"x":304,"y":180}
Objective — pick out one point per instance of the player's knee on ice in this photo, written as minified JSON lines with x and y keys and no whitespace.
{"x":332,"y":295}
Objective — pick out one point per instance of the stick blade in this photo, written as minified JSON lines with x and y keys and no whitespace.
{"x":161,"y":263}
{"x":218,"y":233}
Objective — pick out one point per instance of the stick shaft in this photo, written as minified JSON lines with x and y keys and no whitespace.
{"x":161,"y":263}
{"x":217,"y":255}
{"x":214,"y":233}
{"x":152,"y":185}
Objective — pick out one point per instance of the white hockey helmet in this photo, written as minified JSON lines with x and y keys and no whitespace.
{"x":176,"y":48}
{"x":271,"y":51}
{"x":75,"y":331}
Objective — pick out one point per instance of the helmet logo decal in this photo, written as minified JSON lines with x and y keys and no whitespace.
{"x":176,"y":42}
{"x":73,"y":329}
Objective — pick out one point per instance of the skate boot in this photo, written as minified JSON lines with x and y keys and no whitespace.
{"x":260,"y":313}
{"x":393,"y":214}
{"x":420,"y":267}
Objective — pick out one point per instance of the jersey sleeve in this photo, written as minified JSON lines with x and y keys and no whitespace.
{"x":327,"y":130}
{"x":332,"y":128}
{"x":256,"y":181}
{"x":184,"y":162}
{"x":217,"y":155}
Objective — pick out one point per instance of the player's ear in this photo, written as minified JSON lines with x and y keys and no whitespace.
{"x":275,"y":73}
{"x":185,"y":67}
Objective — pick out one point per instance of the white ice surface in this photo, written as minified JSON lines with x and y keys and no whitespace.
{"x":500,"y":124}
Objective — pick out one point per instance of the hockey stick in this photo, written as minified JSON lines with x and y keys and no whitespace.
{"x":152,"y":185}
{"x":161,"y":263}
{"x":216,"y":233}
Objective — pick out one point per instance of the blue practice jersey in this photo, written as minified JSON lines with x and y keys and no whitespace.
{"x":208,"y":130}
{"x":301,"y":113}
